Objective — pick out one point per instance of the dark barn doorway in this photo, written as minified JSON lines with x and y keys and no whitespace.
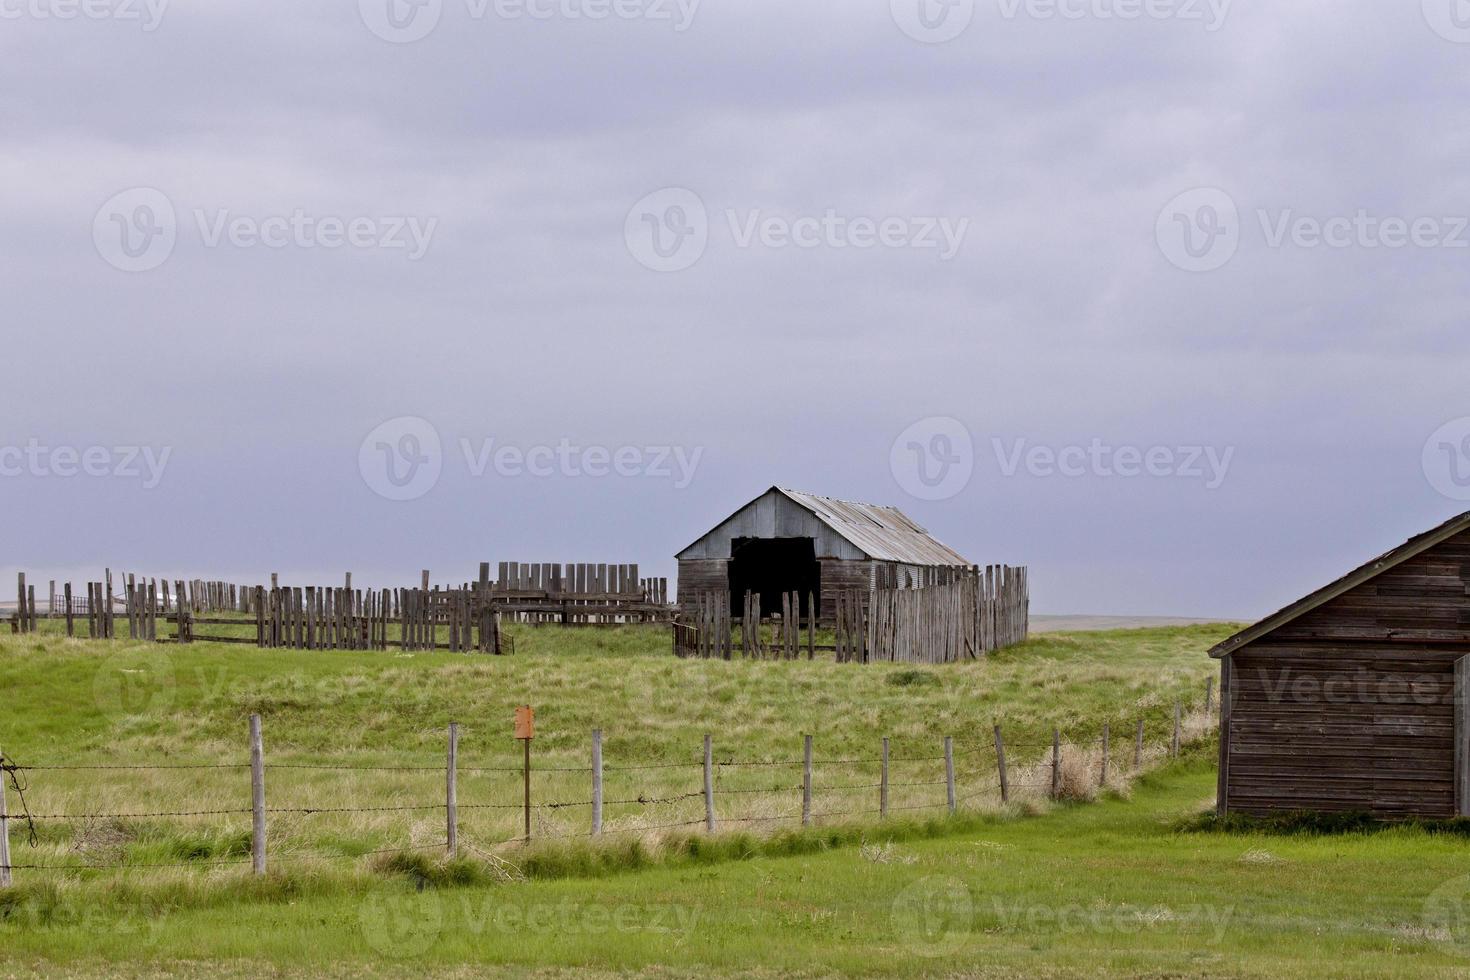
{"x":771,"y":566}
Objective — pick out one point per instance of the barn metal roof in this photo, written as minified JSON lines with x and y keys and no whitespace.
{"x":882,"y":533}
{"x":1409,"y":549}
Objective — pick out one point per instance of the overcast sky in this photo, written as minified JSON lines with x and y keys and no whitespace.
{"x":1163,"y":298}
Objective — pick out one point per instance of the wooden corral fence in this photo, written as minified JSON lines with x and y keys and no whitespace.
{"x":347,"y":618}
{"x":974,"y":614}
{"x":579,"y":594}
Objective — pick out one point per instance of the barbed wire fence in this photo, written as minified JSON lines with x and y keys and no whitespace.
{"x":1065,"y":767}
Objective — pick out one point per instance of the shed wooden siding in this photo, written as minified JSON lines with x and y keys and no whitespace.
{"x":1383,"y":737}
{"x":772,"y":515}
{"x":1368,"y":728}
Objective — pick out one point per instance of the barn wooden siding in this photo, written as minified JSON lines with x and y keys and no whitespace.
{"x":1351,"y":705}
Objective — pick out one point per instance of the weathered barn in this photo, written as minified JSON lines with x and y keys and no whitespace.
{"x":788,"y":541}
{"x":1347,"y":700}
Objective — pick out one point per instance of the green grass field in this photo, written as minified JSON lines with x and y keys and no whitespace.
{"x":1114,"y":887}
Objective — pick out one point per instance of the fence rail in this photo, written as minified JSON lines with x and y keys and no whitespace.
{"x":720,"y":792}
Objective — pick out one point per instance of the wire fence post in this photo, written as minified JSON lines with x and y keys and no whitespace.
{"x":806,"y":781}
{"x":1138,"y":748}
{"x":709,"y":784}
{"x":1056,"y":763}
{"x":527,"y":771}
{"x":451,"y":789}
{"x":949,"y":772}
{"x":596,"y":781}
{"x":257,"y":797}
{"x":1104,"y":780}
{"x":1000,"y":761}
{"x":883,"y":784}
{"x":5,"y":881}
{"x":1174,"y":744}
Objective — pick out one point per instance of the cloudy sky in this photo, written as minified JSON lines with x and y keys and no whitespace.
{"x":1163,"y":298}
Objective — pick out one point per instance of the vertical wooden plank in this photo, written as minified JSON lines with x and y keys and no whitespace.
{"x":70,"y":615}
{"x":257,"y":796}
{"x":596,"y":781}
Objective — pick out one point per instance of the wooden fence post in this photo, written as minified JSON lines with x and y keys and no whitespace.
{"x":883,"y":784}
{"x":1209,"y":695}
{"x":1104,"y":780}
{"x":527,"y":771}
{"x":1174,"y":745}
{"x":806,"y":782}
{"x":949,"y":772}
{"x":1138,"y":748}
{"x":596,"y":781}
{"x":257,"y":796}
{"x":709,"y":784}
{"x":71,"y":623}
{"x":5,"y":881}
{"x":451,"y":788}
{"x":1000,"y":761}
{"x":1056,"y":763}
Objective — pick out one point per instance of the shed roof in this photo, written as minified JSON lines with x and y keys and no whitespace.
{"x":882,"y":533}
{"x":1366,"y":573}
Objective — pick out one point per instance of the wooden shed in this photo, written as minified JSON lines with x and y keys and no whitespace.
{"x":1352,"y":700}
{"x":789,"y":541}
